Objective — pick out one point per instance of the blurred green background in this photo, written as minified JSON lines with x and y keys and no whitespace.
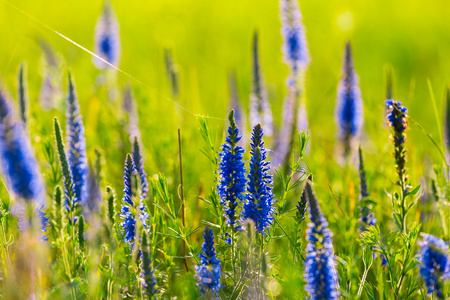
{"x":211,"y":38}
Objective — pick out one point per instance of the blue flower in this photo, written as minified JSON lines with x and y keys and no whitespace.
{"x":148,"y":274}
{"x":129,"y":223}
{"x":17,"y":158}
{"x":107,"y":38}
{"x":258,"y":204}
{"x":295,"y":48}
{"x":397,"y":119}
{"x":349,"y":110}
{"x":76,"y":145}
{"x":435,"y":263}
{"x":138,"y":160}
{"x":231,"y":181}
{"x":260,"y":111}
{"x":208,"y":270}
{"x":320,"y":266}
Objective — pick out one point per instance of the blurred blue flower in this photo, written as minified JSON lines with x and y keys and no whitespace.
{"x":107,"y":38}
{"x":18,"y":162}
{"x":320,"y":266}
{"x":76,"y":145}
{"x":208,"y":271}
{"x":148,"y":274}
{"x":349,"y":110}
{"x":258,"y":204}
{"x":435,"y":263}
{"x":295,"y":48}
{"x":231,"y":182}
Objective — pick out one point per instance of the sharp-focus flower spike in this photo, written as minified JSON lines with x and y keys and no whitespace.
{"x":111,"y":204}
{"x":139,"y":162}
{"x":260,"y":111}
{"x":295,"y":48}
{"x":208,"y":270}
{"x":71,"y":202}
{"x":349,"y":109}
{"x":130,"y":107}
{"x":320,"y":266}
{"x":232,"y":181}
{"x":129,"y":223}
{"x":397,"y":119}
{"x":107,"y":38}
{"x":76,"y":144}
{"x":17,"y":158}
{"x":148,"y":274}
{"x":447,"y":121}
{"x":434,"y":263}
{"x":302,"y":206}
{"x":172,"y":73}
{"x":23,"y":93}
{"x":258,"y":204}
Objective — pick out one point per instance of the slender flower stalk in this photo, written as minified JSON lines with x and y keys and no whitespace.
{"x":23,"y":93}
{"x":148,"y":274}
{"x":349,"y":109}
{"x":51,"y":68}
{"x":258,"y":205}
{"x":208,"y":271}
{"x":76,"y":145}
{"x":320,"y":266}
{"x":260,"y":111}
{"x":107,"y":38}
{"x":172,"y":73}
{"x":434,"y":258}
{"x":367,"y":217}
{"x":72,"y":202}
{"x":232,"y":181}
{"x":130,"y":107}
{"x":296,"y":56}
{"x":447,"y":122}
{"x":126,"y":213}
{"x":139,"y":162}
